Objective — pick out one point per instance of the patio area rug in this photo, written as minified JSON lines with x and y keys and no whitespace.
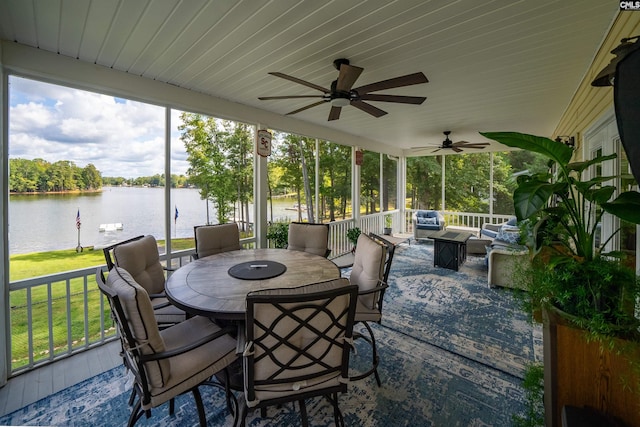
{"x":452,"y":353}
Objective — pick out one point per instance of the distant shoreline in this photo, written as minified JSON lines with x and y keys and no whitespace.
{"x":39,"y":193}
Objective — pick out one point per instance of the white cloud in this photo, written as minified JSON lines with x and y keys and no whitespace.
{"x":120,"y":137}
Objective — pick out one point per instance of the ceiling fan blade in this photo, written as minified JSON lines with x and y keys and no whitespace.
{"x":347,"y":77}
{"x":465,"y":144}
{"x":265,"y":98}
{"x":456,"y":149}
{"x":368,"y":108}
{"x":315,"y":104}
{"x":408,"y":80}
{"x":334,"y":114}
{"x":436,"y":150}
{"x":417,"y":100}
{"x":300,"y":81}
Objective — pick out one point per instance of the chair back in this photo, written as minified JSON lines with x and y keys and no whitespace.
{"x":308,"y":237}
{"x":390,"y":251}
{"x":139,"y":256}
{"x":133,"y":315}
{"x":298,"y":341}
{"x":368,"y":269}
{"x":213,"y":239}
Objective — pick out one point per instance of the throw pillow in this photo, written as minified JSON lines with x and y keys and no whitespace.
{"x":432,"y":221}
{"x":422,"y":220}
{"x":509,"y":236}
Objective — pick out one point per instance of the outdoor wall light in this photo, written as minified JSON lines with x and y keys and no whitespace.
{"x":569,"y":141}
{"x":607,"y":76}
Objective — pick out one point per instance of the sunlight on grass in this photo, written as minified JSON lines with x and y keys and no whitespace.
{"x":50,"y":303}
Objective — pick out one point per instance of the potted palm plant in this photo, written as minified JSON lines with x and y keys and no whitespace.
{"x":586,"y":296}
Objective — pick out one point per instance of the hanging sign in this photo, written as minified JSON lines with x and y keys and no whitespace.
{"x":359,"y":157}
{"x":264,"y":143}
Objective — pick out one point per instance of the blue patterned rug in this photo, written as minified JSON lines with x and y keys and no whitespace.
{"x":452,"y":351}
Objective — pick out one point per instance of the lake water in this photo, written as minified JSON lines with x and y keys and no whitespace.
{"x":48,"y":222}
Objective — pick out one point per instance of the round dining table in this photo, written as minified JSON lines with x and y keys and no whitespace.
{"x":216,"y":286}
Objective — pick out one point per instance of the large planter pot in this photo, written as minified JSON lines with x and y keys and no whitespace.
{"x":580,"y":373}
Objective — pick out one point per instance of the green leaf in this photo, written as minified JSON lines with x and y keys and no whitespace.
{"x":599,"y":195}
{"x":582,"y":166}
{"x":626,"y":206}
{"x":548,"y":147}
{"x":531,"y":196}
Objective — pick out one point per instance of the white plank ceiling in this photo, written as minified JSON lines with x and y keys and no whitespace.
{"x":492,"y":65}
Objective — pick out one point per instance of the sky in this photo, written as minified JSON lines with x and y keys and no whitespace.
{"x":118,"y":136}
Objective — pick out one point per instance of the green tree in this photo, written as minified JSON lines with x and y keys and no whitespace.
{"x":370,"y":182}
{"x":238,"y":145}
{"x":424,"y":177}
{"x":289,"y":151}
{"x":91,"y":177}
{"x":335,"y":180}
{"x":208,"y":167}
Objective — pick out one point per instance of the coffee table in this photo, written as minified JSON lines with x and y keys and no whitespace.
{"x":450,"y":248}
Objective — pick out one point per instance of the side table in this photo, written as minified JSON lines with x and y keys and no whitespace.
{"x":450,"y":248}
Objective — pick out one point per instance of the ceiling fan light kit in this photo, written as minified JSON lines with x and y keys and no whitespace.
{"x":342,"y":94}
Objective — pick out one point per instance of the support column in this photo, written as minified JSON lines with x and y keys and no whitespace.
{"x":169,"y":214}
{"x":491,"y":201}
{"x":260,"y":193}
{"x":444,"y":169}
{"x":355,"y":188}
{"x":402,"y":192}
{"x":5,"y":366}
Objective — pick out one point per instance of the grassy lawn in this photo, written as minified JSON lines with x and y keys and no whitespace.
{"x":45,"y":316}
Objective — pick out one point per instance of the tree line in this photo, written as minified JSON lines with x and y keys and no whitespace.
{"x":38,"y":175}
{"x":220,"y":156}
{"x":41,"y":176}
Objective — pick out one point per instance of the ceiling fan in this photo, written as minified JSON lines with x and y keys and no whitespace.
{"x":342,"y":94}
{"x":455,"y":146}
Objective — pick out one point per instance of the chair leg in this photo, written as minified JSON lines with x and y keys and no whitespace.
{"x":198,"y":398}
{"x":132,"y":398}
{"x":242,"y":414}
{"x":172,"y":406}
{"x":337,"y":415}
{"x":136,"y":413}
{"x":374,"y":356}
{"x":303,"y":413}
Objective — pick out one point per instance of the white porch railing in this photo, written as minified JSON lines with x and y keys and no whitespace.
{"x":71,"y":302}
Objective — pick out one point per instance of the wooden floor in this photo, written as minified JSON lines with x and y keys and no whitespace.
{"x":42,"y":382}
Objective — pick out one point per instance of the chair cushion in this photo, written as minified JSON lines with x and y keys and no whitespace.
{"x":368,"y":268}
{"x":214,"y":239}
{"x":141,"y":259}
{"x":312,"y":238}
{"x":142,"y":322}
